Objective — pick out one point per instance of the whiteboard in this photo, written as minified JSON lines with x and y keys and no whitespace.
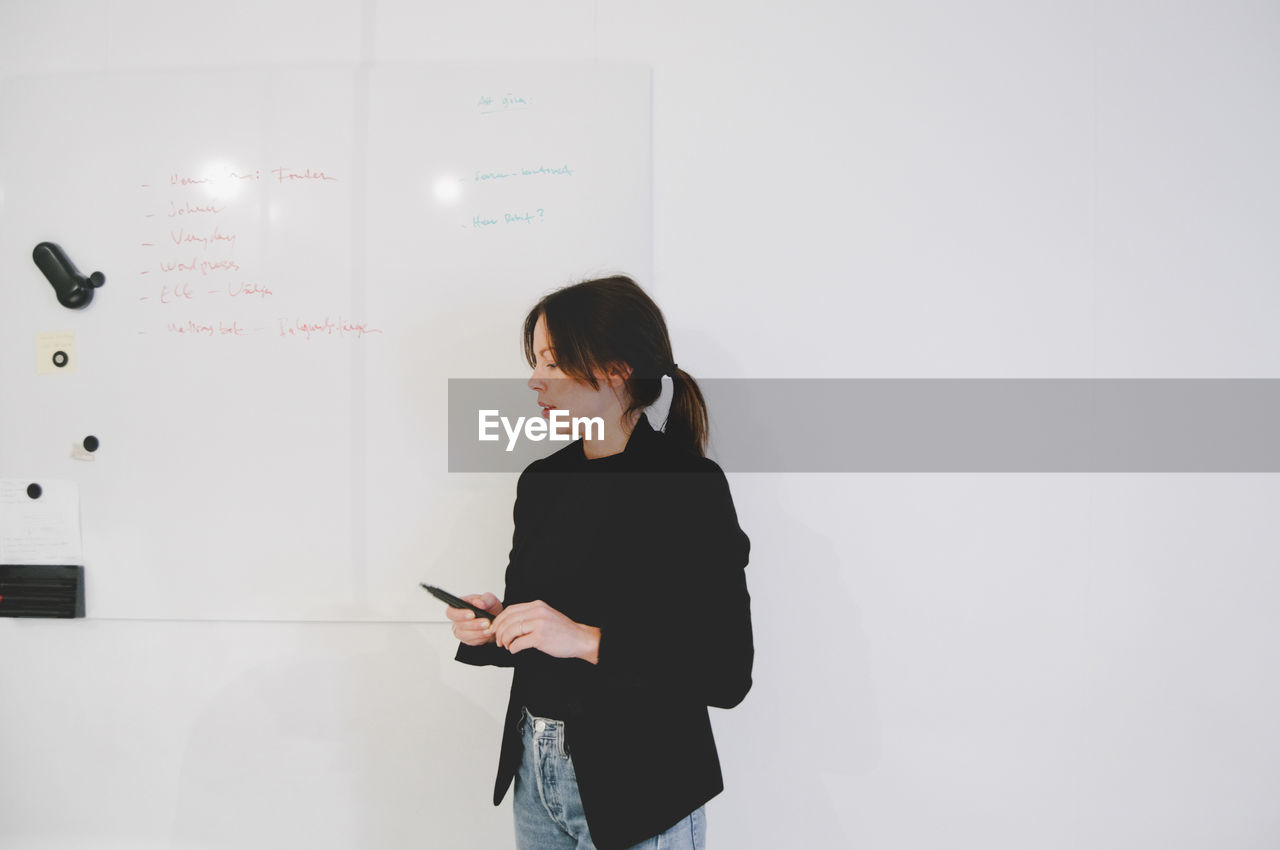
{"x":297,"y":260}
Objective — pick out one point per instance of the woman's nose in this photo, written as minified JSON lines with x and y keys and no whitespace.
{"x":537,"y":383}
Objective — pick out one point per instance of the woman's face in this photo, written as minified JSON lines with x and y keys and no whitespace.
{"x":556,"y":390}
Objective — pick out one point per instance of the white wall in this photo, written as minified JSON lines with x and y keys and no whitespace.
{"x":844,"y":190}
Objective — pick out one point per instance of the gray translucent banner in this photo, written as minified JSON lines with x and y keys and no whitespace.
{"x":935,"y":425}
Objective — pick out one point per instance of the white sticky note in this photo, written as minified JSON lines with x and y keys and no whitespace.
{"x":39,"y":522}
{"x":55,"y":352}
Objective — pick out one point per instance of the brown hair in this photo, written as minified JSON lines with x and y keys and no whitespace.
{"x":598,"y":324}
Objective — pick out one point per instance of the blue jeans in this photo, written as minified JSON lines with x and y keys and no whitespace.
{"x":548,"y":809}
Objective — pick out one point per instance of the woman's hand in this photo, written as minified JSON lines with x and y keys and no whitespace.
{"x":467,"y":627}
{"x":536,"y":625}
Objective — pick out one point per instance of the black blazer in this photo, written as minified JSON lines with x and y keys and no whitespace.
{"x":650,"y":547}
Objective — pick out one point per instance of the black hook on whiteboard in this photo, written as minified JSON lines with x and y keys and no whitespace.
{"x":74,"y":289}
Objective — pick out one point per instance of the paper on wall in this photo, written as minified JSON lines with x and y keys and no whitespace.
{"x":40,"y":530}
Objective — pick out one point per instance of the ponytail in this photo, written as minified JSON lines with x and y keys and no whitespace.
{"x":687,"y":422}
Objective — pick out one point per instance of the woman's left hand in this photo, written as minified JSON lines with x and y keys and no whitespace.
{"x":536,"y":625}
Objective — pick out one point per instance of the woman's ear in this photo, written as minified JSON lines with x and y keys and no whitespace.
{"x":621,"y":371}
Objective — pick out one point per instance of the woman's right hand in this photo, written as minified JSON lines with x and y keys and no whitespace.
{"x":469,"y":628}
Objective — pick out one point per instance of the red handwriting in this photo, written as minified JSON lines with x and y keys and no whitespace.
{"x":327,"y":327}
{"x":179,"y":292}
{"x":184,"y":180}
{"x":249,"y":289}
{"x":206,"y":329}
{"x":181,"y":236}
{"x":203,"y":266}
{"x":219,"y":266}
{"x":189,"y":208}
{"x":283,"y":174}
{"x":178,"y":267}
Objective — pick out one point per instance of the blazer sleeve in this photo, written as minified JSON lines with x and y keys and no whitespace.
{"x":683,"y":620}
{"x":490,"y":654}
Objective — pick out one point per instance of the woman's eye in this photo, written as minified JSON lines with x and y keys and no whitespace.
{"x":551,"y":365}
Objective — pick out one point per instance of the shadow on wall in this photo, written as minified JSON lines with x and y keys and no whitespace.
{"x":811,"y":711}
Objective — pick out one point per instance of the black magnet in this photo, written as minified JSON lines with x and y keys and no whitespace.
{"x":60,"y":359}
{"x":90,"y":443}
{"x":34,"y":490}
{"x":74,"y":289}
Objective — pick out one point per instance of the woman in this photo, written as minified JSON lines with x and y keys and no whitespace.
{"x":626,"y":612}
